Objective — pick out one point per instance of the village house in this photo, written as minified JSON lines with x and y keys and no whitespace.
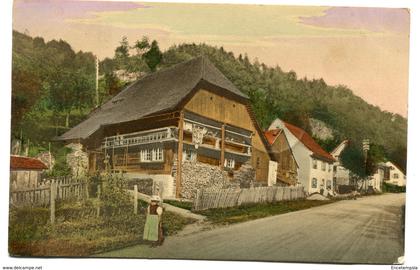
{"x":395,"y":175}
{"x":25,"y":172}
{"x":341,"y":175}
{"x":184,"y":127}
{"x":315,"y":170}
{"x":376,"y":180}
{"x":286,"y":163}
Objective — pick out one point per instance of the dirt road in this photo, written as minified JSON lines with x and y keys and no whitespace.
{"x":366,"y":230}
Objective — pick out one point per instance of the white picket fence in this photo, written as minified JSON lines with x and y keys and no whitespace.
{"x":223,"y":198}
{"x":63,"y":189}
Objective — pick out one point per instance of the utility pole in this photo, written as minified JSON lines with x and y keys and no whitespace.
{"x":366,"y":147}
{"x":97,"y":82}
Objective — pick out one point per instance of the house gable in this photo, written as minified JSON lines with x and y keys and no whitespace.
{"x":234,"y":113}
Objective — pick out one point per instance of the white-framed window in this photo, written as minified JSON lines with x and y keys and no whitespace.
{"x":314,"y":163}
{"x":396,"y":176}
{"x":230,"y":163}
{"x":323,"y":165}
{"x":314,"y":183}
{"x":189,"y":155}
{"x":149,"y":155}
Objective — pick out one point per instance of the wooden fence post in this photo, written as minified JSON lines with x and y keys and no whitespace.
{"x":135,"y":199}
{"x":197,"y":200}
{"x":98,"y":207}
{"x":86,"y":186}
{"x":53,"y":191}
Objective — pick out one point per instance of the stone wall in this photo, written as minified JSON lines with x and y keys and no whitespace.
{"x":245,"y":176}
{"x":47,"y":158}
{"x":196,"y":175}
{"x":78,"y":160}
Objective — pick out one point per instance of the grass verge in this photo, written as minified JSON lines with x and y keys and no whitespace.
{"x":254,"y":211}
{"x":181,"y":204}
{"x":75,"y":235}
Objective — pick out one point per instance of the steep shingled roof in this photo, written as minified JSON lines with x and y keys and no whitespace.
{"x":26,"y":163}
{"x":309,"y":142}
{"x":157,"y":92}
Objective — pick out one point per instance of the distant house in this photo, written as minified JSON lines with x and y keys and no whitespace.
{"x":25,"y":172}
{"x":286,"y":163}
{"x":396,"y":175}
{"x":377,"y":179}
{"x":184,"y":127}
{"x":341,"y":175}
{"x":315,"y":170}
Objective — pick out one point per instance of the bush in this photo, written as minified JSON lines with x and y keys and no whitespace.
{"x":386,"y":187}
{"x":75,"y":210}
{"x":114,"y":197}
{"x":27,"y":223}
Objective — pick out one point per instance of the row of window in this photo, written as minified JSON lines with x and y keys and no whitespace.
{"x":324,"y":165}
{"x":149,"y":155}
{"x":314,"y":183}
{"x":191,"y":155}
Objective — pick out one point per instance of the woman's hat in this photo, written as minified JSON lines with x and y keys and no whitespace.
{"x":155,"y":198}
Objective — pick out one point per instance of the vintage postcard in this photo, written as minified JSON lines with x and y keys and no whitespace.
{"x":208,"y":131}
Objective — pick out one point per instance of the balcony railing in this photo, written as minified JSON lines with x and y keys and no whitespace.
{"x":139,"y":138}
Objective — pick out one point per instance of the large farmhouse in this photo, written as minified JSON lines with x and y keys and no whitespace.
{"x":315,"y":164}
{"x":181,"y":123}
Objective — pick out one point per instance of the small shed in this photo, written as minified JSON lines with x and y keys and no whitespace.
{"x":25,"y":172}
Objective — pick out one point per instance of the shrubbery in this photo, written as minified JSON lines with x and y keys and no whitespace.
{"x":114,"y":196}
{"x":78,"y":231}
{"x":386,"y":187}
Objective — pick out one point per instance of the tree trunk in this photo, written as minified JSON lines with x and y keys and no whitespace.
{"x":67,"y":119}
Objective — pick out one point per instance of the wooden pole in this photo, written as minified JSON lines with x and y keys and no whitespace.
{"x":53,"y":190}
{"x":180,"y":149}
{"x":135,"y":199}
{"x":98,"y":207}
{"x":97,"y":82}
{"x":222,"y":151}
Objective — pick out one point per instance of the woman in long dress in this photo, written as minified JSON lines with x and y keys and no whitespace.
{"x":153,"y":226}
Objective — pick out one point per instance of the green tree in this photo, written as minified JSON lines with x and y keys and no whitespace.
{"x":26,"y":89}
{"x":153,"y":56}
{"x":122,"y":53}
{"x":141,"y":46}
{"x":112,"y":83}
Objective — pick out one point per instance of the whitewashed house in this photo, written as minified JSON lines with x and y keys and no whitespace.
{"x":378,"y":178}
{"x":315,"y":165}
{"x":341,"y":175}
{"x":396,"y":175}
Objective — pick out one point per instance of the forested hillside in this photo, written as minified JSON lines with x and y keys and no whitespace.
{"x":54,"y":86}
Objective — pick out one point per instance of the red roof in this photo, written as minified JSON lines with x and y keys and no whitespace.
{"x":271,"y":135}
{"x":309,"y":142}
{"x":26,"y":163}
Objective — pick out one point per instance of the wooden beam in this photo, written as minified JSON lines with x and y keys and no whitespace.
{"x":222,"y":148}
{"x":180,"y":149}
{"x":94,"y":162}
